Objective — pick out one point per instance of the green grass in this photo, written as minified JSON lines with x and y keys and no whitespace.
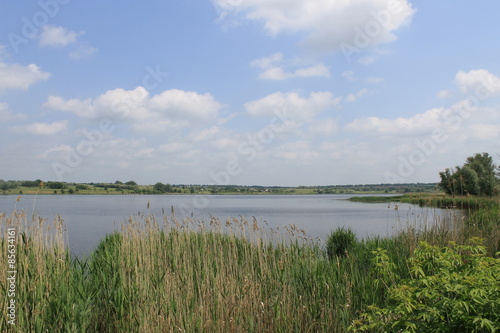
{"x":377,"y":199}
{"x":160,"y":274}
{"x":438,"y":200}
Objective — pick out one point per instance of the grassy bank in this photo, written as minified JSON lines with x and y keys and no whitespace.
{"x":167,"y":275}
{"x":481,"y":215}
{"x":437,"y":200}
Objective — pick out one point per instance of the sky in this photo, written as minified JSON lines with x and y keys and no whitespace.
{"x":247,"y":92}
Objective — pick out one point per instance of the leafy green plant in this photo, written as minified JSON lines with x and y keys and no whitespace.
{"x":340,"y":242}
{"x":452,"y":289}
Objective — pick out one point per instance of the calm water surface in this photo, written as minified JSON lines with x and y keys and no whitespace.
{"x":89,"y":217}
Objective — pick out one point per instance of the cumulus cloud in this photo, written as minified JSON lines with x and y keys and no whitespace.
{"x":83,"y":52}
{"x":326,"y":24}
{"x":274,"y":66}
{"x":57,"y":36}
{"x":486,"y":131}
{"x":419,"y":124}
{"x":355,"y":96}
{"x":15,"y":76}
{"x":444,"y":93}
{"x":478,"y":81}
{"x":292,"y":105}
{"x":169,"y":109}
{"x":299,"y":151}
{"x":6,"y":114}
{"x":323,"y":127}
{"x":46,"y":129}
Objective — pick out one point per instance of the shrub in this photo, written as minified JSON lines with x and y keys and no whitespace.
{"x":452,"y":289}
{"x":340,"y":242}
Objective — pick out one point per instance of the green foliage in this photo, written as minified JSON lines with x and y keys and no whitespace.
{"x":8,"y":185}
{"x":30,"y":183}
{"x":162,"y":188}
{"x":340,"y":242}
{"x":81,"y":187}
{"x":476,"y":177}
{"x":452,"y":289}
{"x":55,"y":185}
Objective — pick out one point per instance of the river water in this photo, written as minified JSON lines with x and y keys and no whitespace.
{"x":90,"y":217}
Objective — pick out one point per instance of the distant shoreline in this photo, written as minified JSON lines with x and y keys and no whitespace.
{"x":119,"y":188}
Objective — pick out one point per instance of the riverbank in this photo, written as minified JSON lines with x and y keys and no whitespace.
{"x":437,"y":200}
{"x":160,"y":274}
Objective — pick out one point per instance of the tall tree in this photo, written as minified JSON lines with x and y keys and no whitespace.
{"x":476,"y":177}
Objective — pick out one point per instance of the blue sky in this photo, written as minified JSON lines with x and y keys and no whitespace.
{"x":251,"y":92}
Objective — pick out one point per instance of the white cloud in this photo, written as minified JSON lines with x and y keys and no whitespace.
{"x":375,"y":80}
{"x":298,"y":153}
{"x":275,"y":73}
{"x":444,"y":94}
{"x":326,"y":23}
{"x":479,"y":81}
{"x":419,"y":124}
{"x":485,"y":131}
{"x":173,"y":147}
{"x":185,"y":104}
{"x":81,"y":108}
{"x":273,"y":68}
{"x":368,"y":60}
{"x":6,"y":114}
{"x":323,"y":127}
{"x":316,"y":70}
{"x":83,"y":52}
{"x":354,"y":97}
{"x":292,"y":105}
{"x":57,"y":36}
{"x":206,"y":134}
{"x":268,"y":62}
{"x":3,"y":50}
{"x":350,"y":76}
{"x":171,"y":109}
{"x":56,"y":152}
{"x":41,"y":128}
{"x":16,"y":76}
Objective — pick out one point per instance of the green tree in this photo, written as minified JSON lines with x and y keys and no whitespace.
{"x":476,"y":177}
{"x":55,"y":185}
{"x":8,"y":185}
{"x":160,"y":187}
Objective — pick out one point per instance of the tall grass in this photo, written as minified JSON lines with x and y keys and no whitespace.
{"x":161,"y":274}
{"x":47,"y":283}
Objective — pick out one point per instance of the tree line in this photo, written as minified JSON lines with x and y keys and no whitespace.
{"x":478,"y":176}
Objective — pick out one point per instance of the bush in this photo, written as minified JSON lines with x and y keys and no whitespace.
{"x":452,"y":289}
{"x":340,"y":242}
